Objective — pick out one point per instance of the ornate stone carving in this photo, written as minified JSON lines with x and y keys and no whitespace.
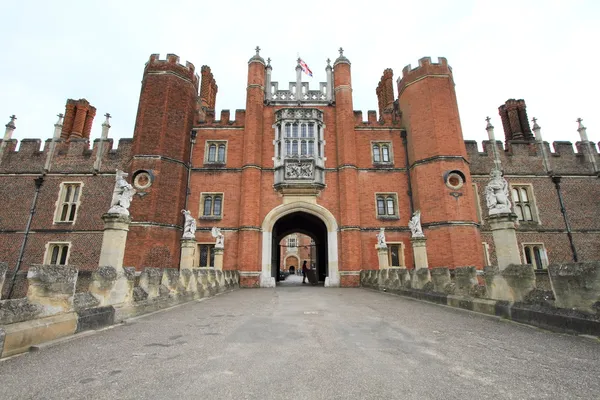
{"x":189,"y":225}
{"x":381,"y":243}
{"x":220,"y":242}
{"x":122,"y":195}
{"x":415,"y":225}
{"x":496,"y":194}
{"x":298,"y":170}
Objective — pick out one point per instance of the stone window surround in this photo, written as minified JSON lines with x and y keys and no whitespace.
{"x":217,"y":143}
{"x":385,"y":195}
{"x":380,"y":143}
{"x":544,"y":254}
{"x":197,"y":255}
{"x":486,"y":254}
{"x":401,"y":255}
{"x":48,"y":252}
{"x":532,"y":201}
{"x":478,"y":210}
{"x":201,"y":215}
{"x":59,"y":202}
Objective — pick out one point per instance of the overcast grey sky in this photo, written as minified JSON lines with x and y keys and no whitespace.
{"x":542,"y":51}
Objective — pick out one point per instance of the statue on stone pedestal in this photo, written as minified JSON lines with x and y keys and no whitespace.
{"x":496,"y":194}
{"x":415,"y":225}
{"x":216,"y":233}
{"x":189,"y":225}
{"x":381,"y":243}
{"x":122,"y":195}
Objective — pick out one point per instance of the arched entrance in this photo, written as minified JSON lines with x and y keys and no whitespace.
{"x":309,"y":219}
{"x":291,"y":262}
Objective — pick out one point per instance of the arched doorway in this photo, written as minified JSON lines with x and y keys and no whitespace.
{"x":309,"y":219}
{"x":291,"y":262}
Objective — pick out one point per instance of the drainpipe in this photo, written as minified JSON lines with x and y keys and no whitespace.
{"x":189,"y":174}
{"x":404,"y":143}
{"x":556,"y":180}
{"x":38,"y":184}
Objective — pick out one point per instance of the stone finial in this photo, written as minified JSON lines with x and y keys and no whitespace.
{"x":341,"y":58}
{"x":257,"y":56}
{"x":341,"y":52}
{"x":489,"y":124}
{"x":257,"y":51}
{"x":105,"y":126}
{"x":537,"y":130}
{"x":269,"y":62}
{"x":58,"y":127}
{"x":582,"y":130}
{"x":11,"y":123}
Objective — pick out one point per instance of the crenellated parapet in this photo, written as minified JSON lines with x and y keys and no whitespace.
{"x":172,"y":66}
{"x":70,"y":156}
{"x":225,"y":121}
{"x":525,"y":157}
{"x":425,"y":68}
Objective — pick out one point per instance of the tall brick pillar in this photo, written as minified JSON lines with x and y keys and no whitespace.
{"x":349,"y":224}
{"x":441,"y":180}
{"x":249,"y":235}
{"x":161,"y":148}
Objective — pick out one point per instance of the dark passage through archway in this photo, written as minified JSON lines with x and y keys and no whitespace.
{"x":300,"y":222}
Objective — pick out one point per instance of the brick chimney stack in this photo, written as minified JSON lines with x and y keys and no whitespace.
{"x":514,"y":121}
{"x":208,"y":94}
{"x":385,"y":92}
{"x":79,"y":116}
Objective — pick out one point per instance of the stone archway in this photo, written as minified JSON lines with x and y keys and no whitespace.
{"x":289,"y":261}
{"x":323,"y":215}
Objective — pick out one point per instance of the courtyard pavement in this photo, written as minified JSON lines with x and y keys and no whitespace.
{"x":310,"y":343}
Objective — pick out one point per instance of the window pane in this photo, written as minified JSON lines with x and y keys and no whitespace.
{"x":211,"y":249}
{"x":311,"y":148}
{"x":63,"y":255}
{"x":395,"y":255}
{"x":217,"y":207}
{"x":65,"y":210}
{"x":390,"y":206}
{"x":311,"y":130}
{"x":278,"y":149}
{"x":376,"y":156}
{"x":203,"y":255}
{"x":303,"y":149}
{"x":222,"y":153}
{"x":527,"y":255}
{"x":515,"y":195}
{"x":385,"y":152}
{"x":519,"y":212}
{"x":76,"y":194}
{"x":528,"y":216}
{"x":288,"y":130}
{"x":380,"y":206}
{"x":295,"y":147}
{"x":54,"y":257}
{"x":303,"y":131}
{"x":211,"y":152}
{"x":207,"y":205}
{"x":288,"y":147}
{"x":524,"y":197}
{"x":295,"y":130}
{"x":72,"y":213}
{"x":68,"y":193}
{"x":538,"y":258}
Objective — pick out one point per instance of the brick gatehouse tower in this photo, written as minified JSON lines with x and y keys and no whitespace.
{"x":297,"y":160}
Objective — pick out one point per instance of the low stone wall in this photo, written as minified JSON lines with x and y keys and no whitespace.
{"x":54,"y":308}
{"x":572,"y":305}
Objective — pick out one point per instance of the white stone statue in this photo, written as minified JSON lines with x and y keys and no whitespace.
{"x":189,"y":225}
{"x":415,"y":225}
{"x":216,"y":233}
{"x":381,"y":238}
{"x":122,"y":195}
{"x":496,"y":194}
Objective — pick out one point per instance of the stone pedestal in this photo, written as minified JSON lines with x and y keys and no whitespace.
{"x":382,"y":255}
{"x":112,"y":252}
{"x":505,"y":239}
{"x":420,"y":252}
{"x":188,"y":253}
{"x":218,"y":259}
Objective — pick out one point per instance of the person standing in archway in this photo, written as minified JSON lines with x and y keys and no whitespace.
{"x":304,"y":271}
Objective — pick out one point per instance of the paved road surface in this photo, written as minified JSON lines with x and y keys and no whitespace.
{"x":310,"y":343}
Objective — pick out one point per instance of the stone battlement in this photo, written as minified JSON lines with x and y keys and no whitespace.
{"x":239,"y":121}
{"x":386,"y":119}
{"x":74,"y":156}
{"x":426,"y":67}
{"x":525,"y":157}
{"x":172,"y":64}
